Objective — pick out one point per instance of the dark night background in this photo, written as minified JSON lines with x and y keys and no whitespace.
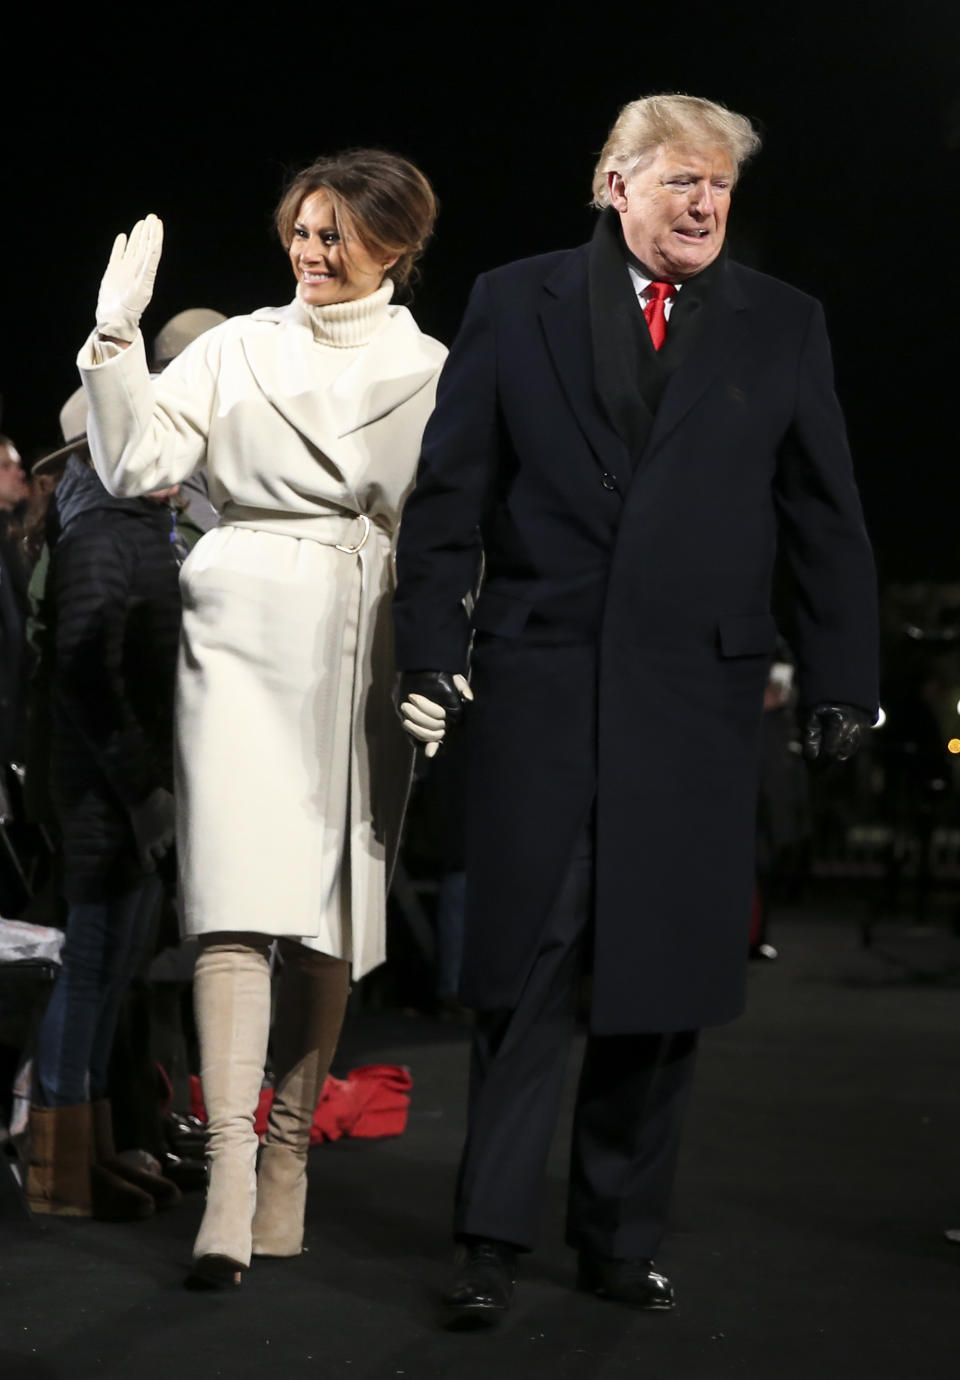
{"x":199,"y":115}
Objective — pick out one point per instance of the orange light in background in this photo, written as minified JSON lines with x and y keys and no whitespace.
{"x":954,"y":745}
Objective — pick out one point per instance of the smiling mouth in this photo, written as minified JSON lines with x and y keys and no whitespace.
{"x":317,"y":277}
{"x":699,"y":234}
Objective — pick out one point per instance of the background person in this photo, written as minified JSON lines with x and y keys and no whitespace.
{"x":197,"y":513}
{"x":626,"y":431}
{"x":291,"y":767}
{"x":112,"y":611}
{"x":14,"y":493}
{"x":783,"y":803}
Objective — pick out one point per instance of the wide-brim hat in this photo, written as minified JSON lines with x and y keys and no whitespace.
{"x":73,"y":428}
{"x":182,"y":330}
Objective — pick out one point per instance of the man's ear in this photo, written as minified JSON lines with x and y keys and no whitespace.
{"x":618,"y":191}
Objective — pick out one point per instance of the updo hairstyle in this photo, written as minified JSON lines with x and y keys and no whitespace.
{"x":377,"y":197}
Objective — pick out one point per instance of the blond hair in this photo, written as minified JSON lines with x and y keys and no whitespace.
{"x":670,"y":121}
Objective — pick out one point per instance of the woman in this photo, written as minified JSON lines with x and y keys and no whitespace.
{"x":290,"y":769}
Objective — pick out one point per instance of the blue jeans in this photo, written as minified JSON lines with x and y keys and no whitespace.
{"x":103,"y":949}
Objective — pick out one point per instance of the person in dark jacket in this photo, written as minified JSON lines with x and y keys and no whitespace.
{"x":625,"y":431}
{"x":14,"y":574}
{"x":14,"y":492}
{"x":114,"y":616}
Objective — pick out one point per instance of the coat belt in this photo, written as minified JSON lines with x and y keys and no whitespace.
{"x":349,"y":534}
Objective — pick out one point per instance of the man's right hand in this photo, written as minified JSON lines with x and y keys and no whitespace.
{"x":429,"y":702}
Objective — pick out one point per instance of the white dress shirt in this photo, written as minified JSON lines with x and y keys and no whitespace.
{"x":641,"y":284}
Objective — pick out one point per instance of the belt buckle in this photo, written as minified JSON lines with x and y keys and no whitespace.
{"x":352,"y":550}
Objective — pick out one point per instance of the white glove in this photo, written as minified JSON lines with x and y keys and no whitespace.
{"x":127,"y":285}
{"x":426,"y":720}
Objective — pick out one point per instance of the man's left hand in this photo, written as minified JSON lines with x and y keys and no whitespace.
{"x":832,"y":732}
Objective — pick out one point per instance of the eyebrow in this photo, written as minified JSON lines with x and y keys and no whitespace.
{"x":675,"y":173}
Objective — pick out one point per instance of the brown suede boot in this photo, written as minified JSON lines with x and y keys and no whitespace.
{"x":232,"y":1001}
{"x":62,"y":1178}
{"x":163,"y":1191}
{"x":58,"y":1175}
{"x":311,"y":1002}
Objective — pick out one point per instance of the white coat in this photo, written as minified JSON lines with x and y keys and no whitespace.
{"x":291,"y":768}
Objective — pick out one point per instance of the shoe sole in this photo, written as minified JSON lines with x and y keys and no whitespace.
{"x":471,"y":1318}
{"x":654,"y":1306}
{"x":214,"y":1272}
{"x":48,"y":1209}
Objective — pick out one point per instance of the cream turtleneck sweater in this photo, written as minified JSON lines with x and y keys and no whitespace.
{"x":350,"y":325}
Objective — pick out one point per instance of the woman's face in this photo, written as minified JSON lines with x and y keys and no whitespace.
{"x":323,"y":271}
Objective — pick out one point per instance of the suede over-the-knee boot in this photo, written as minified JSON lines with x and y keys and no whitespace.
{"x":311,"y":1001}
{"x":232,"y":1002}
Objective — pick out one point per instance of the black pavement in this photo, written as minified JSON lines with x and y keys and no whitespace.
{"x":821,"y":1166}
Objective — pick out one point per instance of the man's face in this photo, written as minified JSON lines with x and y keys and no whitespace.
{"x":674,"y":213}
{"x":13,"y":482}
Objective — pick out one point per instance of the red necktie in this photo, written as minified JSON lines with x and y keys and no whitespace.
{"x":656,"y":294}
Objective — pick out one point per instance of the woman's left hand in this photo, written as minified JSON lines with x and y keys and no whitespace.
{"x":429,"y":703}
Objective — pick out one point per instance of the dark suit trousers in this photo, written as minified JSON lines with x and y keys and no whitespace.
{"x":630,"y":1102}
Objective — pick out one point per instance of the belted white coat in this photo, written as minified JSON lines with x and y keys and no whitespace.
{"x":291,"y":769}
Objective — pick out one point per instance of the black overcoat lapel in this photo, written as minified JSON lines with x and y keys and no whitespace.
{"x":628,"y":373}
{"x":565,"y":318}
{"x":707,"y":345}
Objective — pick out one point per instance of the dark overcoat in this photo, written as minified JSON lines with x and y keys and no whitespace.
{"x":623,"y":632}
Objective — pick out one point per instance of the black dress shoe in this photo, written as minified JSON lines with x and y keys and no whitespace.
{"x":185,"y":1135}
{"x":634,"y":1282}
{"x":188,"y":1174}
{"x":483,"y":1283}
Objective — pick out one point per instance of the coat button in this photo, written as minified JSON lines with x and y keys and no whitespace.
{"x":609,"y":481}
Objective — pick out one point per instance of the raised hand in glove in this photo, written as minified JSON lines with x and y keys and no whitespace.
{"x":430,"y":702}
{"x":127,"y":284}
{"x":153,"y":823}
{"x":832,"y":732}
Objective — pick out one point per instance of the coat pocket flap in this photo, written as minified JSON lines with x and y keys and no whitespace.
{"x":501,"y":613}
{"x":752,"y":634}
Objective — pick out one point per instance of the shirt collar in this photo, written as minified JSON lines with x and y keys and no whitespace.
{"x":641,"y":282}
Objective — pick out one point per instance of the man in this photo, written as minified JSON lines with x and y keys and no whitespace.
{"x":13,"y":482}
{"x":626,"y":431}
{"x":14,"y":492}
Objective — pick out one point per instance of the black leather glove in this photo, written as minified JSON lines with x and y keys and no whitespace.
{"x":832,"y":732}
{"x":430,"y":702}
